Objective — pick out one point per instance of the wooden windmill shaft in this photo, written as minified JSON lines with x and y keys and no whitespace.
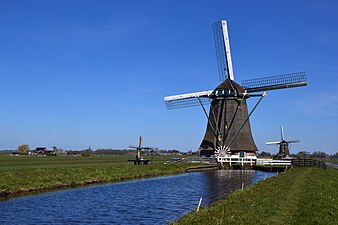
{"x":226,"y":116}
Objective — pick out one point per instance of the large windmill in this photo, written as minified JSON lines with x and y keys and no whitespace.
{"x":228,"y":133}
{"x":283,"y":145}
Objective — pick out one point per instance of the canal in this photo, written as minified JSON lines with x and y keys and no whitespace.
{"x":146,"y":201}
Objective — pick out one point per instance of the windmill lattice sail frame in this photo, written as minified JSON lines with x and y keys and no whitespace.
{"x":222,"y":46}
{"x":275,"y":82}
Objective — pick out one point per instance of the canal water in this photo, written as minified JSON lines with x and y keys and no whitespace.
{"x":146,"y":201}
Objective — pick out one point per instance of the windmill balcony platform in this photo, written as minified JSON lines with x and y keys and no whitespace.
{"x":237,"y":160}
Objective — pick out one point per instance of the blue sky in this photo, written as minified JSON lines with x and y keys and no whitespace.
{"x":94,"y":73}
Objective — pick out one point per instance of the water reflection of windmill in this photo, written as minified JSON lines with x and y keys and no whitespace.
{"x":228,"y":132}
{"x":138,"y":158}
{"x":283,"y":145}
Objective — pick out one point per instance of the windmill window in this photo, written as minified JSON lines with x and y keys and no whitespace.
{"x":241,"y":154}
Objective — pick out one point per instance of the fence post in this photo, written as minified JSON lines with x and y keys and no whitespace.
{"x":199,"y":204}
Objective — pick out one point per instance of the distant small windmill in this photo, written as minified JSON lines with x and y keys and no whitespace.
{"x":283,"y":145}
{"x":228,"y":134}
{"x":139,"y":159}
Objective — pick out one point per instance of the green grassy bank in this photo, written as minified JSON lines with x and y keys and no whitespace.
{"x":21,"y":175}
{"x":299,"y":196}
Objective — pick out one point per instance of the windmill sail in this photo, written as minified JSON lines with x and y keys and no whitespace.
{"x":140,"y":142}
{"x":278,"y":142}
{"x":293,"y":141}
{"x":272,"y":142}
{"x":187,"y":100}
{"x":222,"y":46}
{"x":282,"y":138}
{"x":275,"y":82}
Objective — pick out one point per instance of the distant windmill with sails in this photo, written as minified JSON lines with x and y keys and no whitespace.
{"x":138,"y":156}
{"x":283,"y":145}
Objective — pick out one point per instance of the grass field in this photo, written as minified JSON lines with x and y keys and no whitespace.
{"x":299,"y":196}
{"x":20,"y":175}
{"x":43,"y":162}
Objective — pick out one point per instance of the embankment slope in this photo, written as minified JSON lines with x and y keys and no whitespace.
{"x":299,"y":196}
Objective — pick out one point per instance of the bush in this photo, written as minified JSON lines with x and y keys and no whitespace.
{"x":23,"y":149}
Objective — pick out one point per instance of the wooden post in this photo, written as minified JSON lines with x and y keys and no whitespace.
{"x":199,"y":204}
